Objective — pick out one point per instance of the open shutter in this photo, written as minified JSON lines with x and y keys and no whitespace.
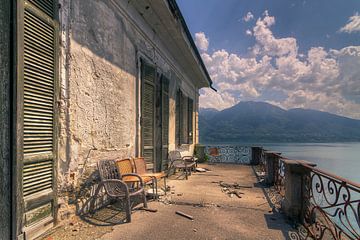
{"x":165,"y":122}
{"x":148,"y":115}
{"x":36,"y":76}
{"x":190,"y":120}
{"x":178,"y":119}
{"x":184,"y":137}
{"x":46,"y":6}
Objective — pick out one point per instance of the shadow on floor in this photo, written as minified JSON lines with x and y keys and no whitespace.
{"x":275,"y":219}
{"x":111,"y":214}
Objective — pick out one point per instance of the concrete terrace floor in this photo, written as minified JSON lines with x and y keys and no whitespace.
{"x":216,"y":215}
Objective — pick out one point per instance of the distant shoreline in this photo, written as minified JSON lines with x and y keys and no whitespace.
{"x":251,"y":143}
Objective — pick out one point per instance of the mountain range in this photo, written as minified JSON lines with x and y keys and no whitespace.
{"x":259,"y":122}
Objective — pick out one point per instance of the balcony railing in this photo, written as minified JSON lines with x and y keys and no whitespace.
{"x":326,"y":205}
{"x":331,"y":206}
{"x":229,"y":154}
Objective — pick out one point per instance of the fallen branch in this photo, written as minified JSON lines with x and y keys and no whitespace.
{"x":184,"y":215}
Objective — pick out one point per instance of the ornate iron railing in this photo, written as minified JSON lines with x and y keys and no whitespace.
{"x":262,"y":162}
{"x":229,"y":154}
{"x":279,"y":182}
{"x":331,"y":206}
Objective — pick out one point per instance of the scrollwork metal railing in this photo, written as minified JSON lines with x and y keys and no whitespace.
{"x":280,"y":177}
{"x":331,"y":206}
{"x":229,"y":154}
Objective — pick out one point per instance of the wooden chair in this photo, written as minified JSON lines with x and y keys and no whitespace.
{"x":185,"y":164}
{"x":140,"y":168}
{"x":125,"y":166}
{"x":115,"y":187}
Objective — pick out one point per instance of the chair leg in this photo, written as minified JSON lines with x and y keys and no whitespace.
{"x":165,"y":185}
{"x":156,"y":188}
{"x":144,"y":198}
{"x":93,"y":200}
{"x":128,"y":209}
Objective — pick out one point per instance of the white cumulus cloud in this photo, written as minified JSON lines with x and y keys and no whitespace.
{"x":353,"y":24}
{"x":201,"y":41}
{"x":274,"y":71}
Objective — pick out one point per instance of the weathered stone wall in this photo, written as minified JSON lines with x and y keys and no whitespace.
{"x":98,"y":110}
{"x":99,"y":79}
{"x":5,"y":81}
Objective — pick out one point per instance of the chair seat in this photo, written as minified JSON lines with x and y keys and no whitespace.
{"x":155,"y":175}
{"x":182,"y":165}
{"x":135,"y":179}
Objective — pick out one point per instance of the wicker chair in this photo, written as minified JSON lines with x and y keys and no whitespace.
{"x":185,"y":163}
{"x":115,"y":187}
{"x":140,"y":168}
{"x":125,"y":166}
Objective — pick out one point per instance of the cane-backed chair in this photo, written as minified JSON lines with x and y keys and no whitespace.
{"x":140,"y":168}
{"x":126,"y":166}
{"x":115,"y":187}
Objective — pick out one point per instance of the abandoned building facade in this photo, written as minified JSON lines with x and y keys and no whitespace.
{"x":83,"y":81}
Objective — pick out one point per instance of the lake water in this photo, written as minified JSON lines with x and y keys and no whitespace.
{"x":342,"y":159}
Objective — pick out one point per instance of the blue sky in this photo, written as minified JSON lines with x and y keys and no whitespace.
{"x":292,"y":53}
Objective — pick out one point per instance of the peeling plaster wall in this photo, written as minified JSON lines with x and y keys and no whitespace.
{"x":99,"y":74}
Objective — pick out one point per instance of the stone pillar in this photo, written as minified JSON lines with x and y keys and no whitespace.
{"x":293,"y":201}
{"x":5,"y":120}
{"x":256,"y":155}
{"x":272,"y":160}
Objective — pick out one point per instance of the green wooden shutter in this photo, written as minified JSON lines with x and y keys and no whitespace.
{"x":46,"y":6}
{"x":38,"y":76}
{"x":148,"y":115}
{"x":184,"y":138}
{"x":178,"y":119}
{"x":190,"y":120}
{"x":165,"y":122}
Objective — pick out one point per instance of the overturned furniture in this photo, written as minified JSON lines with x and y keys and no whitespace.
{"x":115,"y":187}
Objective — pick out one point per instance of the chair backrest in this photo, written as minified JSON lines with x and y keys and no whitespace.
{"x":124,"y":166}
{"x":174,"y":155}
{"x":140,"y":165}
{"x":108,"y":170}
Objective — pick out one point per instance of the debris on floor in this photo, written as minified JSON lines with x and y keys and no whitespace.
{"x":233,"y":185}
{"x":199,"y":169}
{"x":231,"y":189}
{"x":151,"y":193}
{"x":184,"y":215}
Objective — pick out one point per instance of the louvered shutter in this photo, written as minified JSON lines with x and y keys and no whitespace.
{"x":178,"y":118}
{"x":46,"y":6}
{"x":184,"y":138}
{"x":190,"y":120}
{"x":148,"y":115}
{"x":165,"y":122}
{"x":38,"y":74}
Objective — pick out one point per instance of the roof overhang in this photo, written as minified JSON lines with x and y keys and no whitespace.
{"x":166,"y":20}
